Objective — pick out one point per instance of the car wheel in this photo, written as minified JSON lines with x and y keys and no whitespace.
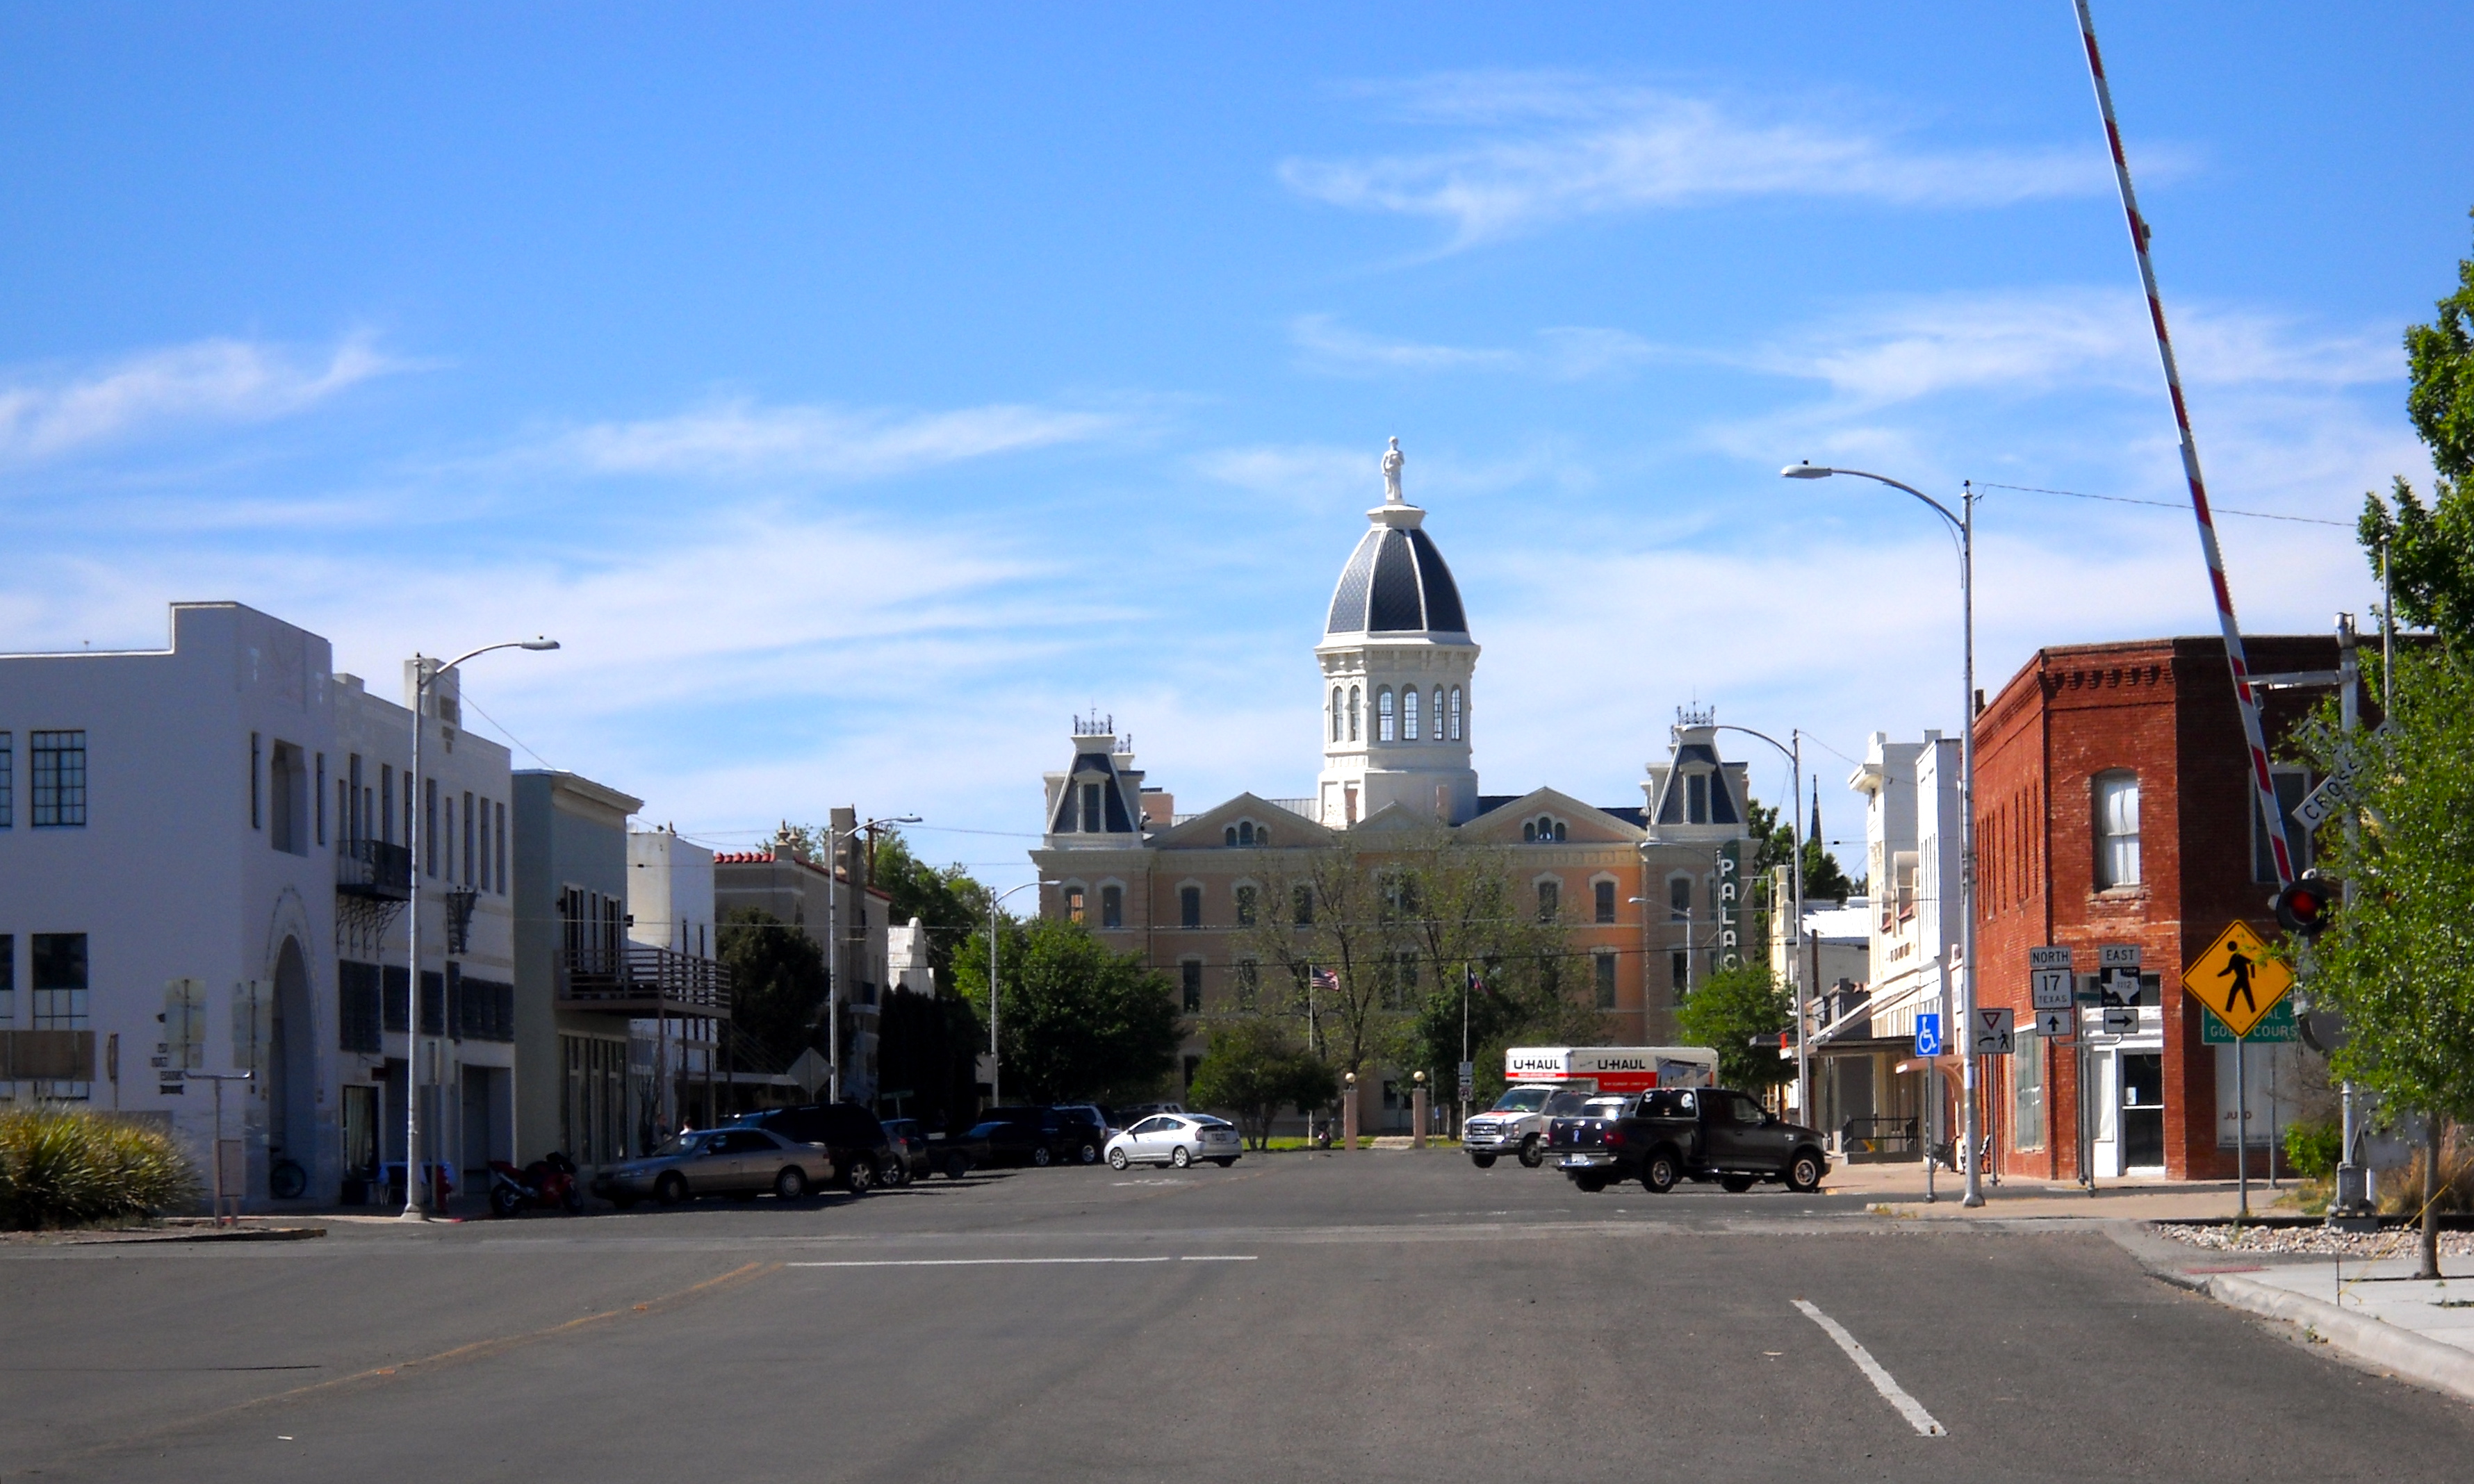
{"x":1483,"y":1161}
{"x":791,"y":1184}
{"x":1180,"y":1157}
{"x":1117,"y":1159}
{"x":1088,"y":1153}
{"x":671,"y":1188}
{"x":1529,"y":1158}
{"x":1734,"y":1185}
{"x":1590,"y":1183}
{"x":505,"y":1201}
{"x":861,"y":1175}
{"x":1659,"y":1173}
{"x":956,"y":1165}
{"x":898,"y":1173}
{"x":1040,"y":1157}
{"x":1804,"y":1172}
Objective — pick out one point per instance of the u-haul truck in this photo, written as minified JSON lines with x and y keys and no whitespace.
{"x":1550,"y":1082}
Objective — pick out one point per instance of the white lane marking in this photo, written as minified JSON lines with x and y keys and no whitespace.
{"x":999,"y":1263}
{"x":1882,"y":1381}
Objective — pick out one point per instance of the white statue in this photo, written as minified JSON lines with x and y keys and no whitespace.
{"x":1392,"y":462}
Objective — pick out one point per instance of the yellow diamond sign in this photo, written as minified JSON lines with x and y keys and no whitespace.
{"x":2236,"y":980}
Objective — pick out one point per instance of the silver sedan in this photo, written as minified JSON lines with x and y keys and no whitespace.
{"x":1178,"y":1139}
{"x":740,"y":1162}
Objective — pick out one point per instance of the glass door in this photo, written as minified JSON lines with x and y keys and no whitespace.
{"x":2143,"y":1109}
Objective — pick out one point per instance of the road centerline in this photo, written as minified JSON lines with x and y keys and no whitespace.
{"x":1875,"y":1372}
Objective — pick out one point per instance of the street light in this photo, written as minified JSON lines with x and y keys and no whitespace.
{"x":834,"y":951}
{"x":1795,"y":865}
{"x":993,"y":1099}
{"x":424,"y":677}
{"x":1963,"y":525}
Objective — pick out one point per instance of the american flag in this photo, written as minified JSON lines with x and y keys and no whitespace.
{"x":1326,"y":979}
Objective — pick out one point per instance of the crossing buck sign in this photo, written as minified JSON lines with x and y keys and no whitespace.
{"x":2236,"y":980}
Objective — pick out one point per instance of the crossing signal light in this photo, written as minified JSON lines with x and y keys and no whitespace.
{"x":2302,"y":908}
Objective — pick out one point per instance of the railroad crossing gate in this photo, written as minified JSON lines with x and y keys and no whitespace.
{"x":2236,"y":980}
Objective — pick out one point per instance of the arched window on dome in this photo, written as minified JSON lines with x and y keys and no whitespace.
{"x":1456,"y":714}
{"x":1409,"y":714}
{"x":1439,"y":713}
{"x":1385,"y":722}
{"x":1335,"y":713}
{"x":1354,"y":697}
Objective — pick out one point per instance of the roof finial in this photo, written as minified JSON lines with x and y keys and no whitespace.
{"x":1392,"y":462}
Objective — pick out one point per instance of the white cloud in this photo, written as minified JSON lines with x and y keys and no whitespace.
{"x":206,"y":381}
{"x":1572,"y":147}
{"x":1560,"y":353}
{"x":740,"y":438}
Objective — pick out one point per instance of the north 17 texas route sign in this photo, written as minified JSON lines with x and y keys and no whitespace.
{"x":2236,"y":979}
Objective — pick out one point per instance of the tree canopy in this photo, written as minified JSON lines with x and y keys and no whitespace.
{"x":777,"y":984}
{"x":2431,"y":548}
{"x":1824,"y":879}
{"x":1255,"y":1068}
{"x":1730,"y":1008}
{"x":1078,"y":1023}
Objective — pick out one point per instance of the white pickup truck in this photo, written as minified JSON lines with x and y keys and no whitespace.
{"x":1516,"y":1124}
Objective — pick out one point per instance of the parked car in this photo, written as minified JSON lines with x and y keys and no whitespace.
{"x":1176,"y":1139}
{"x":909,"y":1144}
{"x":1055,"y":1135}
{"x":850,"y":1133}
{"x":1697,"y":1133}
{"x":1516,"y":1123}
{"x":743,"y":1162}
{"x":1100,"y":1116}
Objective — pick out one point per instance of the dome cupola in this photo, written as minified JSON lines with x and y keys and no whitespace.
{"x":1396,"y":580}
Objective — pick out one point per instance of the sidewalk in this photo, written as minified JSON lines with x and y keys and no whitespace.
{"x":2373,"y":1310}
{"x":1899,"y":1189}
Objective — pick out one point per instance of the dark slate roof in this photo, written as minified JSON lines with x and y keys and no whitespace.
{"x":1630,"y":813}
{"x":1396,"y":583}
{"x":1487,"y":803}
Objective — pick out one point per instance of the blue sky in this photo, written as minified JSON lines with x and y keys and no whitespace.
{"x":860,"y":393}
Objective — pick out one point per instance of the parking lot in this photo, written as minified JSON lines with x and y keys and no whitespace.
{"x":1381,"y":1315}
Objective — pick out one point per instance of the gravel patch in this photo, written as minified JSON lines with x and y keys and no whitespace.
{"x":2314,"y":1241}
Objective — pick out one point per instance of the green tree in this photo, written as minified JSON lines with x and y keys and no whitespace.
{"x":1254,"y":1068}
{"x":1824,"y":879}
{"x":1730,"y":1008}
{"x":1080,"y":1024}
{"x":777,"y":975}
{"x":2431,"y":549}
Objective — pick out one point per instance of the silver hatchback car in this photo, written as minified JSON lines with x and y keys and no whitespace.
{"x":743,"y":1162}
{"x":1178,"y":1139}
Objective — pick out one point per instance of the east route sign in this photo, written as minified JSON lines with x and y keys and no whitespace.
{"x":2236,"y":979}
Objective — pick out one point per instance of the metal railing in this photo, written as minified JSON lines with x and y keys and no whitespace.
{"x":374,"y":869}
{"x":638,"y":977}
{"x":1878,"y":1134}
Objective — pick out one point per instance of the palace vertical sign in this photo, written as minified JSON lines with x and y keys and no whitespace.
{"x":1734,"y":914}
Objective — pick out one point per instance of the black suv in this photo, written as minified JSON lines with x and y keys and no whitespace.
{"x":861,"y":1153}
{"x":1037,"y":1136}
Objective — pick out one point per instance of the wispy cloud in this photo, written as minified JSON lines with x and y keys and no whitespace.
{"x":1562,"y":354}
{"x":740,"y":438}
{"x":2035,"y":340}
{"x":1553,"y":146}
{"x":207,"y":381}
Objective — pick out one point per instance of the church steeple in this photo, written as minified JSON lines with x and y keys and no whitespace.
{"x":1398,"y":660}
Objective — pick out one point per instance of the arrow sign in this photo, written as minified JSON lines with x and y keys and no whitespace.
{"x":2052,"y":1024}
{"x":2120,"y":1019}
{"x":1992,"y":1029}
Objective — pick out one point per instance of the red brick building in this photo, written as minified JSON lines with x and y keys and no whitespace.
{"x":2114,"y":807}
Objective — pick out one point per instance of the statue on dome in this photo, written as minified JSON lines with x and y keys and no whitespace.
{"x":1392,"y":462}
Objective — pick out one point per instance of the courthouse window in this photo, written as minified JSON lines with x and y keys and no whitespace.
{"x":1189,"y":906}
{"x":1606,"y":981}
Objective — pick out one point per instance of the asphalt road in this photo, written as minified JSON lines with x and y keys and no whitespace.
{"x":1380,"y":1316}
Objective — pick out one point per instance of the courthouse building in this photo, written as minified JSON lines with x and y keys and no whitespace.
{"x":1650,"y":892}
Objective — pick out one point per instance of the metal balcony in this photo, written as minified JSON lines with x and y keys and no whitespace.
{"x":636,"y":979}
{"x":375,"y":869}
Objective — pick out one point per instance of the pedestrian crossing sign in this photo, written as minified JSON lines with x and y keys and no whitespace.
{"x":2236,"y":980}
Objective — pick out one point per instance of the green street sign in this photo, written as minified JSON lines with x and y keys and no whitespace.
{"x":2277,"y":1024}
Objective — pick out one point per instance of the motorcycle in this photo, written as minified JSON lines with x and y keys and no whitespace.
{"x":547,"y":1183}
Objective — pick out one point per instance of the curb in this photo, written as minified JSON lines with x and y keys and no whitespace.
{"x":229,"y":1234}
{"x":2423,"y":1361}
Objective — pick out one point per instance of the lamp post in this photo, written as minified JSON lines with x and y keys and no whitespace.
{"x":1348,"y":1110}
{"x":1795,"y":867}
{"x":838,"y":940}
{"x":993,"y":1099}
{"x":424,"y":677}
{"x":1963,"y":526}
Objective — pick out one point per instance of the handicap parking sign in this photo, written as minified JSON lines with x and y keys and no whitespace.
{"x":1929,"y":1034}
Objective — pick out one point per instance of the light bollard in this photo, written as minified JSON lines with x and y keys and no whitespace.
{"x":1348,"y":1112}
{"x":1418,"y":1109}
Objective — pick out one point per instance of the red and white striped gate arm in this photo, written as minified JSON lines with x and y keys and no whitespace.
{"x":2263,"y":784}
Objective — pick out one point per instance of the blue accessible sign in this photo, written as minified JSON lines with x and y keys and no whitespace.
{"x":1929,"y":1034}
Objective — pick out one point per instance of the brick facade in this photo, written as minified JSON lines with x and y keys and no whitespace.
{"x":2163,"y":711}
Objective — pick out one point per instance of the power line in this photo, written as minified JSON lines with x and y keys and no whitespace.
{"x":2123,"y":499}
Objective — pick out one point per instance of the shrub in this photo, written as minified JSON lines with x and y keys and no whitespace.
{"x":66,"y":1166}
{"x":2314,"y":1147}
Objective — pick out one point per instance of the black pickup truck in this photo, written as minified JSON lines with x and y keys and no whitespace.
{"x":1698,"y":1133}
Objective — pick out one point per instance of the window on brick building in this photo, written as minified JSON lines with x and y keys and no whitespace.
{"x":1189,"y":906}
{"x":2117,"y":829}
{"x":1606,"y":980}
{"x":1189,"y":980}
{"x":1112,"y":906}
{"x":1074,"y":904}
{"x":1605,"y":894}
{"x":2028,"y":1091}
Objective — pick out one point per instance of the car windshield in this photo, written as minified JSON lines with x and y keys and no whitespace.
{"x":1603,"y":1108}
{"x":984,"y":1130}
{"x":1523,"y":1099}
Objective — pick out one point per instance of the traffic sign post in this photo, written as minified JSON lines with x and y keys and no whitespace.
{"x":2237,"y":967}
